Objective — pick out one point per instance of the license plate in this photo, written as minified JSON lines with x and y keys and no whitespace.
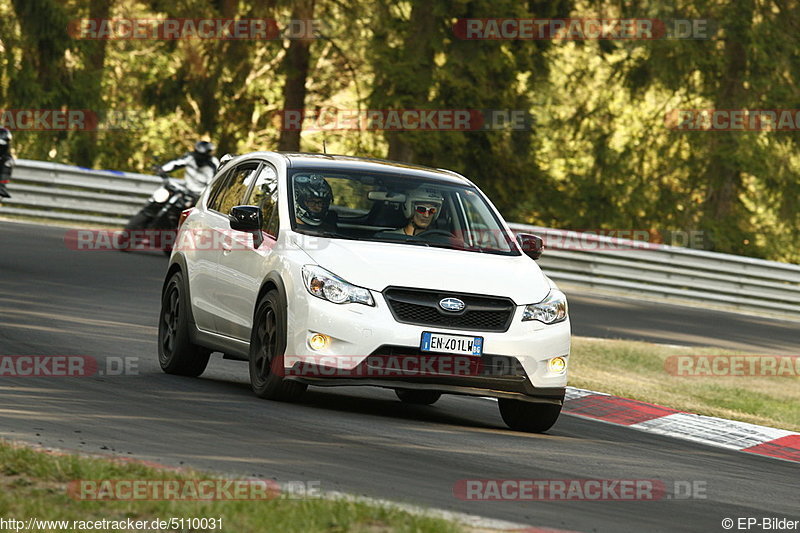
{"x":460,"y":344}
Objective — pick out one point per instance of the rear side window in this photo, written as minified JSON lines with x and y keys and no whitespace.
{"x":232,"y":191}
{"x":216,"y":187}
{"x":265,"y":196}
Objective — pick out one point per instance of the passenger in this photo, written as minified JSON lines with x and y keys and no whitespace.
{"x":421,"y":208}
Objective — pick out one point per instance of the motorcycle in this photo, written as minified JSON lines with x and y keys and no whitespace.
{"x":6,"y":163}
{"x":161,"y":215}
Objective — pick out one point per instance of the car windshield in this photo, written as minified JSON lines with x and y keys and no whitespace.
{"x":397,"y":209}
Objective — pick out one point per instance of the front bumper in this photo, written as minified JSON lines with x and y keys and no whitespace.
{"x":364,"y":340}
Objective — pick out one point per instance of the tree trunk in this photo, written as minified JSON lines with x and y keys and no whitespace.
{"x":413,"y":87}
{"x":722,"y":207}
{"x":296,"y":65}
{"x":92,"y":81}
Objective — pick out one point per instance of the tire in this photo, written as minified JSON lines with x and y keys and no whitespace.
{"x":267,"y":347}
{"x":418,"y":397}
{"x":527,"y":416}
{"x":137,"y":222}
{"x":124,"y":241}
{"x":176,"y":352}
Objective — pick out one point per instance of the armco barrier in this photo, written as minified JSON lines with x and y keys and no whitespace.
{"x":670,"y":272}
{"x":56,"y":191}
{"x":64,"y":192}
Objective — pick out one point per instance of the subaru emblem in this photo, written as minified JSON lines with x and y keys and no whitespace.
{"x":451,"y":304}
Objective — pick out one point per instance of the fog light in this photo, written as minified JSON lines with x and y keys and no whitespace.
{"x":318,"y":341}
{"x":557,"y":365}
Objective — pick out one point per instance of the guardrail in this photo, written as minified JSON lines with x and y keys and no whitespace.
{"x":638,"y":268}
{"x":633,"y":268}
{"x":63,"y":192}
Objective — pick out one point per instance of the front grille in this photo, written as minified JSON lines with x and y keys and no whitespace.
{"x":421,"y":307}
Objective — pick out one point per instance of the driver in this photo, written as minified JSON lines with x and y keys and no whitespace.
{"x":421,"y":208}
{"x":312,"y":199}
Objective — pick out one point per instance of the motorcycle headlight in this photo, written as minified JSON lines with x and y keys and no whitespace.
{"x":551,"y":310}
{"x":326,"y":285}
{"x":161,"y":195}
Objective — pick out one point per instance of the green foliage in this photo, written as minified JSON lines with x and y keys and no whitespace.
{"x":598,"y":155}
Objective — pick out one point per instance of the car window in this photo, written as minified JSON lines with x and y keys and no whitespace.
{"x":351,"y":196}
{"x":395,"y":208}
{"x":236,"y":185}
{"x":481,"y":230}
{"x":265,"y":196}
{"x":216,"y":187}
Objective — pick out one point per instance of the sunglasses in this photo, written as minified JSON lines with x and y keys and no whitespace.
{"x":424,"y":210}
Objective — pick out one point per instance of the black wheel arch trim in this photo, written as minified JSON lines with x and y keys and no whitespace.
{"x":178,"y":264}
{"x":273,"y":280}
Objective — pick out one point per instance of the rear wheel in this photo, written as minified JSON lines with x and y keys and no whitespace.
{"x":418,"y":397}
{"x":527,"y":416}
{"x":176,"y":352}
{"x":267,"y":347}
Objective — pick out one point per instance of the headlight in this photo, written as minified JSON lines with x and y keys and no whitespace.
{"x":551,"y":310}
{"x":323,"y":284}
{"x":161,"y":195}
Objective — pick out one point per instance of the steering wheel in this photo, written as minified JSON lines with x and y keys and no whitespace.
{"x":443,"y":232}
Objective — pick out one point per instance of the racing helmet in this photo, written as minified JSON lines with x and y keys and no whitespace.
{"x":310,"y":187}
{"x":424,"y":194}
{"x":5,"y":136}
{"x":204,"y":148}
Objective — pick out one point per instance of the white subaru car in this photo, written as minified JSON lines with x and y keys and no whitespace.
{"x":333,"y":270}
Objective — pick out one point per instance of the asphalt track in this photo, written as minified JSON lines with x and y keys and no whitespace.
{"x":56,"y":301}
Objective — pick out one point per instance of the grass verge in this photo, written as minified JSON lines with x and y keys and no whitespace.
{"x":638,"y":370}
{"x":34,"y":484}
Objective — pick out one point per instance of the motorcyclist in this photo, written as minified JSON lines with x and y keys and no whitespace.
{"x":6,"y":161}
{"x":200,"y":165}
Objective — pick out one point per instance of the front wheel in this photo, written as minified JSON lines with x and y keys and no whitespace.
{"x":527,"y":416}
{"x":267,"y":347}
{"x":176,"y":352}
{"x":137,"y":222}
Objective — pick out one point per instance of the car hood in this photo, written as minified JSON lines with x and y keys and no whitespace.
{"x":377,"y":265}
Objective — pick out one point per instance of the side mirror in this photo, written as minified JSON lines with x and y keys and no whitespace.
{"x":531,"y":245}
{"x":245,"y":218}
